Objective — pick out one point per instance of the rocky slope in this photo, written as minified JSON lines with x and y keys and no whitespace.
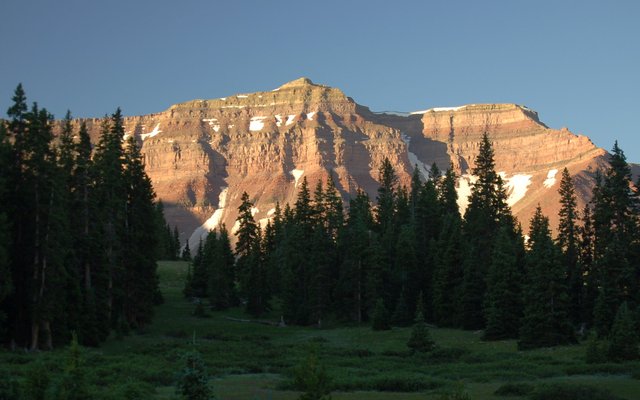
{"x":201,"y":155}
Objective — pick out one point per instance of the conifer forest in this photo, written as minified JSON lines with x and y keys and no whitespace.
{"x":92,"y":276}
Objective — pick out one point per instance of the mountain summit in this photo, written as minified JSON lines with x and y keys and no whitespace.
{"x":202,"y":155}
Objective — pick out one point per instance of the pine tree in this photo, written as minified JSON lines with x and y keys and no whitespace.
{"x":486,"y":212}
{"x":380,"y":320}
{"x":251,"y":272}
{"x":586,"y":260}
{"x":615,"y":223}
{"x":448,"y":274}
{"x":624,"y":340}
{"x":139,"y":248}
{"x":73,"y":385}
{"x":503,"y":304}
{"x":5,"y":238}
{"x":568,"y":242}
{"x":193,"y":381}
{"x":545,"y":322}
{"x":312,"y":379}
{"x":420,"y":340}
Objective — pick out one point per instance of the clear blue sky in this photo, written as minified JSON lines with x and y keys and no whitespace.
{"x":576,"y":62}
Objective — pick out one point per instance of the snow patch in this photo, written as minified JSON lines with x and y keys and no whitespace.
{"x":290,"y":119}
{"x":212,"y":123}
{"x":223,"y":98}
{"x":297,"y":174}
{"x":271,"y":212}
{"x":256,"y":123}
{"x":438,"y":109}
{"x":413,"y":158}
{"x":465,"y":183}
{"x":310,"y":115}
{"x":233,"y":107}
{"x":153,"y":133}
{"x":212,"y":223}
{"x":516,"y":186}
{"x":278,"y":120}
{"x":551,"y":178}
{"x":254,"y":211}
{"x":242,"y":96}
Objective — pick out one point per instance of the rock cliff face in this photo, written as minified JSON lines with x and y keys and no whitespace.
{"x":201,"y":155}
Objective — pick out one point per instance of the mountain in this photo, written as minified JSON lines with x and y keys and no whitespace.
{"x":201,"y":155}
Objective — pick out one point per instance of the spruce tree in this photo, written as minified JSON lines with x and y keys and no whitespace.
{"x":545,"y":322}
{"x":193,"y":380}
{"x":615,"y":224}
{"x":624,"y":340}
{"x":380,"y":320}
{"x":486,"y":212}
{"x":420,"y":340}
{"x":249,"y":260}
{"x":503,"y":304}
{"x":568,"y":242}
{"x":140,"y":234}
{"x":448,"y":274}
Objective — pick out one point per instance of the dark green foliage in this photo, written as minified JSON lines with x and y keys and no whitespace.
{"x":597,"y":350}
{"x":82,"y":229}
{"x":193,"y":380}
{"x":503,"y":302}
{"x":624,"y":339}
{"x":401,"y":314}
{"x":72,"y":384}
{"x":37,"y":381}
{"x":568,"y":241}
{"x":514,"y":389}
{"x":571,"y":392}
{"x":545,"y":322}
{"x":380,"y":320}
{"x":487,"y":211}
{"x":9,"y":388}
{"x":615,"y":223}
{"x":420,"y":340}
{"x":311,"y":378}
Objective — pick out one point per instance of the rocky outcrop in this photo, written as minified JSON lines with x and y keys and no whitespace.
{"x":203,"y":154}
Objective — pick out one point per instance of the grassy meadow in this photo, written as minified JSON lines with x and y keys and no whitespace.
{"x":254,"y":361}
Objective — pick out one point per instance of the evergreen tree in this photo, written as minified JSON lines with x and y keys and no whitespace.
{"x":503,"y":304}
{"x":186,"y":252}
{"x":586,"y":260}
{"x":420,"y":340}
{"x":624,"y":340}
{"x":73,"y":385}
{"x":251,"y":272}
{"x":5,"y":241}
{"x":193,"y":381}
{"x":311,"y":378}
{"x":614,"y":224}
{"x":545,"y":322}
{"x":448,"y":275}
{"x":486,"y":212}
{"x":380,"y":320}
{"x":139,"y":247}
{"x":568,"y":242}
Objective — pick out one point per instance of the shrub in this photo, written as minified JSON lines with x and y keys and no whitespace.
{"x":193,"y":382}
{"x":623,"y":341}
{"x":9,"y":388}
{"x":380,"y":318}
{"x":571,"y":392}
{"x":596,"y":351}
{"x":311,"y":378}
{"x":514,"y":389}
{"x":420,"y":340}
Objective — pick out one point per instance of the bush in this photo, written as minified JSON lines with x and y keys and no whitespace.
{"x":193,"y":382}
{"x":420,"y":340}
{"x":514,"y":389}
{"x":457,"y":394}
{"x":380,"y":318}
{"x":311,"y":378}
{"x":596,"y":351}
{"x":571,"y":392}
{"x":9,"y":388}
{"x":623,"y":341}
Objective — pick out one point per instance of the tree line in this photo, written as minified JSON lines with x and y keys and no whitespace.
{"x":413,"y":251}
{"x":80,"y":231}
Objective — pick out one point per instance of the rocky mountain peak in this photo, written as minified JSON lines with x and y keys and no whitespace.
{"x":298,"y":82}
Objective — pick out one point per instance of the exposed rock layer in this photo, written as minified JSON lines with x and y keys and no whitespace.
{"x":201,"y":155}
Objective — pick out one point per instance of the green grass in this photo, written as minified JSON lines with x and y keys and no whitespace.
{"x":253,"y":361}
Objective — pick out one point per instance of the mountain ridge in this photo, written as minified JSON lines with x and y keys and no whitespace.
{"x":202,"y":154}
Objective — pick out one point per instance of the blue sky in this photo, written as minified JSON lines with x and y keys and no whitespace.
{"x":576,"y":62}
